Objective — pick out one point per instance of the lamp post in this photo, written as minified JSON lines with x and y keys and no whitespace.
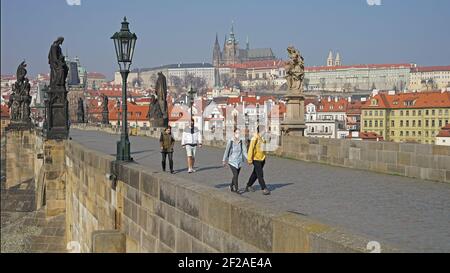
{"x":124,"y":42}
{"x":118,"y":114}
{"x":191,"y":93}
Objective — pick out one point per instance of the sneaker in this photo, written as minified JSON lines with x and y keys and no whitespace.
{"x":231,"y":188}
{"x":266,"y":192}
{"x":172,"y":171}
{"x":190,"y":171}
{"x":193,"y":170}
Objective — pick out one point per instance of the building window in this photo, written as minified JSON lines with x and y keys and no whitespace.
{"x":407,"y":133}
{"x":419,"y":133}
{"x":365,"y":123}
{"x":393,"y":123}
{"x":407,"y":113}
{"x":414,"y":112}
{"x":376,"y":113}
{"x":381,"y":123}
{"x":370,"y":123}
{"x":427,"y":123}
{"x":419,"y":123}
{"x":414,"y":133}
{"x":420,"y":112}
{"x":407,"y":123}
{"x":440,"y":112}
{"x":433,"y":123}
{"x":426,"y":112}
{"x":433,"y":112}
{"x":401,"y":123}
{"x":401,"y":113}
{"x":376,"y":123}
{"x":370,"y":113}
{"x":401,"y":133}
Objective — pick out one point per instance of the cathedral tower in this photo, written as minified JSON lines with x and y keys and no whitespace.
{"x":216,"y":53}
{"x":330,"y":60}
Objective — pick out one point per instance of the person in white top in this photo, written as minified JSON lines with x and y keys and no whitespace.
{"x":191,"y":139}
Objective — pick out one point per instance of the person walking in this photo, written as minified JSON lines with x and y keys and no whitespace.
{"x":191,"y":138}
{"x":235,"y":154}
{"x":257,"y":157}
{"x":167,"y":141}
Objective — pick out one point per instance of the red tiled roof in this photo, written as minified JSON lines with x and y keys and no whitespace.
{"x":368,"y":136}
{"x":430,"y":68}
{"x":445,"y":132}
{"x":358,"y":66}
{"x":410,"y":100}
{"x":354,"y":107}
{"x":332,"y":106}
{"x":4,"y":111}
{"x":95,"y":75}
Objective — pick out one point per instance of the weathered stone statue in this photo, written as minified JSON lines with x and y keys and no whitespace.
{"x":105,"y":111}
{"x":295,"y":71}
{"x":155,"y":114}
{"x":58,"y":66}
{"x":294,"y":123}
{"x":158,"y":112}
{"x":20,"y":99}
{"x":57,"y":106}
{"x":80,"y":111}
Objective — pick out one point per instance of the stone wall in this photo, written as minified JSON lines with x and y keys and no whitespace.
{"x":159,"y":212}
{"x":20,"y":154}
{"x":424,"y":161}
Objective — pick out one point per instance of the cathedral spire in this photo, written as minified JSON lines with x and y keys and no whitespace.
{"x":247,"y":47}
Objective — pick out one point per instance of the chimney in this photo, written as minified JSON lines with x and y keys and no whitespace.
{"x":349,"y":99}
{"x":329,"y":99}
{"x":335,"y":99}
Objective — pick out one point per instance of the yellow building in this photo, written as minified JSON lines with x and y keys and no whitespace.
{"x":407,"y":117}
{"x":429,"y":78}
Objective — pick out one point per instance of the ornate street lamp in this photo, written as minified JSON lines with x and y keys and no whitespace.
{"x":191,"y":93}
{"x":124,"y":42}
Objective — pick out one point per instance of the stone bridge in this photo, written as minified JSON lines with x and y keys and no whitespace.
{"x":327,"y":195}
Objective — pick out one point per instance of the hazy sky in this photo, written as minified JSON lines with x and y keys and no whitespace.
{"x":172,"y":31}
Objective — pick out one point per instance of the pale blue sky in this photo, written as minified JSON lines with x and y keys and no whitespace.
{"x":173,"y":31}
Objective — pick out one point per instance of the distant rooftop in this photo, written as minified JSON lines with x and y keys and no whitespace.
{"x":175,"y":66}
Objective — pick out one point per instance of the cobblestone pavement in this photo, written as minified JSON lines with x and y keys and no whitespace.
{"x":407,"y":213}
{"x":22,"y":228}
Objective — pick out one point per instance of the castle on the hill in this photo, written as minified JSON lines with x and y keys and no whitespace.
{"x":232,"y":54}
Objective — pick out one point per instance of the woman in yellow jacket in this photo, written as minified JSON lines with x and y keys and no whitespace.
{"x":257,"y":157}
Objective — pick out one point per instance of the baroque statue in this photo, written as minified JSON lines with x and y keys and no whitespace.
{"x":80,"y":111}
{"x":20,"y":99}
{"x":58,"y":66}
{"x":105,"y":111}
{"x":158,"y":110}
{"x":295,"y":71}
{"x":57,"y":105}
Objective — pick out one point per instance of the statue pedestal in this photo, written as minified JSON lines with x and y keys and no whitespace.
{"x":159,"y":123}
{"x":105,"y":118}
{"x":294,"y":124}
{"x":20,"y":125}
{"x":57,"y":114}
